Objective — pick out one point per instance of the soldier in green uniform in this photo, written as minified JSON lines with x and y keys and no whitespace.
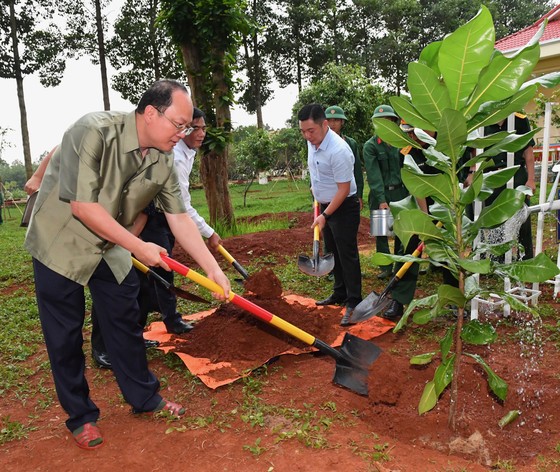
{"x":383,"y":170}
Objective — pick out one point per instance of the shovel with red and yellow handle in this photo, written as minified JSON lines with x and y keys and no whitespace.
{"x":352,"y":361}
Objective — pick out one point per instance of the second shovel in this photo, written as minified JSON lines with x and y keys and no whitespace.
{"x":317,"y":265}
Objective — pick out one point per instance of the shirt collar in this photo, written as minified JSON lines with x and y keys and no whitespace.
{"x":130,"y":133}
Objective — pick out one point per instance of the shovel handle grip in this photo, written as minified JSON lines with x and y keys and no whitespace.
{"x":136,"y":263}
{"x":237,"y":266}
{"x":399,"y":275}
{"x":316,"y":230}
{"x":241,"y":302}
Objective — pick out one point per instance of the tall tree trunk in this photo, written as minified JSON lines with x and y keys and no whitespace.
{"x":101,"y":47}
{"x":257,"y":81}
{"x":20,"y":94}
{"x":214,"y":163}
{"x":154,"y":6}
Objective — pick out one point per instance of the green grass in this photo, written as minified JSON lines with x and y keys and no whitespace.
{"x":275,"y":197}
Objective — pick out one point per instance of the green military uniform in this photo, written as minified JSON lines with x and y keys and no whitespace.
{"x":383,"y":164}
{"x":358,"y":173}
{"x":521,"y":126}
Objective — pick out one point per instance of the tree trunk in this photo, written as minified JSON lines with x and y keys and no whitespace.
{"x":214,"y":163}
{"x":20,"y":94}
{"x":154,"y":7}
{"x":101,"y":47}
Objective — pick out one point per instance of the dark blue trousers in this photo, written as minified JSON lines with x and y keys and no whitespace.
{"x":153,"y":296}
{"x":61,"y":305}
{"x":341,"y":238}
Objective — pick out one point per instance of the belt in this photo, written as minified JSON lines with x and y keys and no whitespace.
{"x":393,"y":187}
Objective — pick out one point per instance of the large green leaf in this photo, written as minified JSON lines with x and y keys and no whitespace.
{"x":538,"y":269}
{"x":437,"y":186}
{"x":392,"y":134}
{"x":415,"y":222}
{"x":487,"y":141}
{"x":504,"y":207}
{"x":518,"y":305}
{"x":472,"y":287}
{"x":511,"y":143}
{"x":427,"y":92}
{"x":444,"y":374}
{"x":448,"y":294}
{"x":429,"y":56}
{"x":464,"y":53}
{"x":422,"y":359}
{"x":497,"y":384}
{"x":429,"y":301}
{"x":406,"y":110}
{"x":428,"y":399}
{"x":482,"y":266}
{"x":503,"y":77}
{"x":452,"y":133}
{"x":446,"y":342}
{"x":493,"y":112}
{"x":475,"y":332}
{"x":546,"y":81}
{"x":500,"y":177}
{"x":423,"y":316}
{"x":469,"y":194}
{"x":407,"y":203}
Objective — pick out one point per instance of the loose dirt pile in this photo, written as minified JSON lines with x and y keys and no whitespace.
{"x":231,"y":334}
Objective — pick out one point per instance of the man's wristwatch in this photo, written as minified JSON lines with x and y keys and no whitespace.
{"x":326,"y":216}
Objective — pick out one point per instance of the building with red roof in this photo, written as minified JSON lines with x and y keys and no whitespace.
{"x":550,"y":54}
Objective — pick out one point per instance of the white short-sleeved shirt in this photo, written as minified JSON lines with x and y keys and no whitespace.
{"x":330,"y":164}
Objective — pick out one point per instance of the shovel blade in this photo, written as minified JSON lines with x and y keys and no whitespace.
{"x":322,"y":266}
{"x":370,"y":306}
{"x":352,"y":368}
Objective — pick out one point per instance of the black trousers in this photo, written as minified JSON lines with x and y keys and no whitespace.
{"x":61,"y":305}
{"x":341,"y":238}
{"x":153,"y":296}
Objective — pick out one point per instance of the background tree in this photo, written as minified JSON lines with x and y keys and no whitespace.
{"x":141,"y":51}
{"x":256,"y":89}
{"x":254,"y":154}
{"x":86,"y":28}
{"x":297,"y":51}
{"x":348,"y":87}
{"x":25,"y":49}
{"x":209,"y":35}
{"x":514,"y":15}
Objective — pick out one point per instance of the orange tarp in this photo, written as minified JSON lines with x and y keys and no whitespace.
{"x":217,"y":374}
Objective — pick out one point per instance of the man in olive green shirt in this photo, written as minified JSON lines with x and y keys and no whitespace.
{"x":108,"y":167}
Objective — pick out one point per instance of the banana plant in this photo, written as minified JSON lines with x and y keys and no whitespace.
{"x":458,"y":85}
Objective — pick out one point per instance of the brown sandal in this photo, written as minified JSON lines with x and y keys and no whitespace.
{"x":88,"y":436}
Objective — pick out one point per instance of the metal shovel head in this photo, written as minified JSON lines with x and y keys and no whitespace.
{"x":352,"y":368}
{"x":319,"y":267}
{"x":370,"y":306}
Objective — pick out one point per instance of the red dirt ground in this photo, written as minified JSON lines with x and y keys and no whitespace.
{"x":381,"y":432}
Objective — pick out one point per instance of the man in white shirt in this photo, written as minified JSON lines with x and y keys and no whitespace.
{"x":331,"y":168}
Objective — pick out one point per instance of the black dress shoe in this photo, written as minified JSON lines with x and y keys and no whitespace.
{"x":101,"y":359}
{"x":332,"y":300}
{"x":394,"y":312}
{"x":345,"y":321}
{"x":149,"y":343}
{"x":180,"y":327}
